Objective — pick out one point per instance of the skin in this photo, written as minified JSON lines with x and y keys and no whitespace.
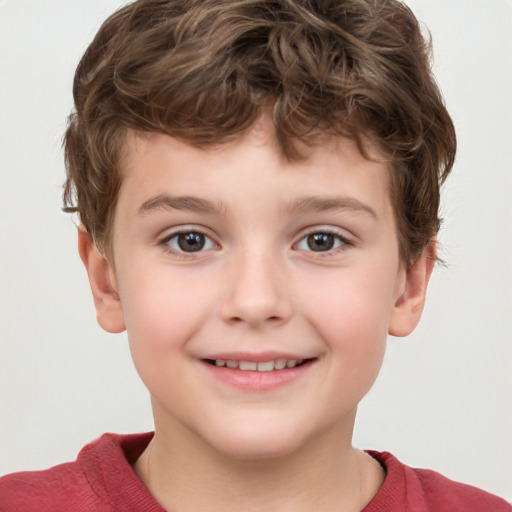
{"x":259,"y":285}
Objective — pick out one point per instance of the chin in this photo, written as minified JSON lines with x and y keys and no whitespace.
{"x":257,"y":442}
{"x":250,"y":451}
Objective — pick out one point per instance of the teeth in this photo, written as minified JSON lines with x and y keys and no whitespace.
{"x":247,"y":365}
{"x":266,"y":366}
{"x":280,"y":364}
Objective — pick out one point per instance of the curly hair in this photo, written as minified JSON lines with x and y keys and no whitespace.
{"x":205,"y":70}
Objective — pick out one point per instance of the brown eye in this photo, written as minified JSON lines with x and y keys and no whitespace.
{"x":320,"y":242}
{"x":191,"y":242}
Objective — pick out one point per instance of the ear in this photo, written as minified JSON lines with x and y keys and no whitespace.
{"x":409,"y":306}
{"x":109,"y":312}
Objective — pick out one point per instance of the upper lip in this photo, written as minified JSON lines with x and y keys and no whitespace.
{"x":259,"y":357}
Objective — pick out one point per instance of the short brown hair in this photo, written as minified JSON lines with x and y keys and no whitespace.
{"x":205,"y":70}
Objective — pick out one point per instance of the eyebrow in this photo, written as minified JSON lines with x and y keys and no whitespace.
{"x":300,"y":205}
{"x":189,"y":203}
{"x":324,"y":204}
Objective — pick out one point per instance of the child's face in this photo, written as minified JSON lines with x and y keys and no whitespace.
{"x":236,"y":254}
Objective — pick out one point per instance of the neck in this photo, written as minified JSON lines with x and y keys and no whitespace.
{"x":184,"y":474}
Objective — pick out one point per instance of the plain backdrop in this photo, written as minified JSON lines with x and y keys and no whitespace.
{"x":443,"y":399}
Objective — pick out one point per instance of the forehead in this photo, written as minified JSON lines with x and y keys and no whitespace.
{"x":263,"y":132}
{"x":154,"y":163}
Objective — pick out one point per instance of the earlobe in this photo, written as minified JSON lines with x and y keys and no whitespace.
{"x":409,"y":306}
{"x":102,"y":280}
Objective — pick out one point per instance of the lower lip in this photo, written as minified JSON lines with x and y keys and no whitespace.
{"x":257,"y":381}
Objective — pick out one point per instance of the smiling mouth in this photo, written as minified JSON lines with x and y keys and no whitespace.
{"x":252,"y":366}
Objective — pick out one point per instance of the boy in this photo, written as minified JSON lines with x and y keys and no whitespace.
{"x":258,"y":184}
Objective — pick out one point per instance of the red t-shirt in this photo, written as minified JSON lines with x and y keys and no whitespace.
{"x":102,"y":479}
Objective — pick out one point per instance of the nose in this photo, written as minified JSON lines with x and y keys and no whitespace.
{"x":257,"y":293}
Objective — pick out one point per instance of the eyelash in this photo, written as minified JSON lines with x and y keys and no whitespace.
{"x":179,"y":252}
{"x":339,"y":239}
{"x":340,"y":242}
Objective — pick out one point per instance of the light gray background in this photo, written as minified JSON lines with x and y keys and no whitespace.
{"x":443,"y":399}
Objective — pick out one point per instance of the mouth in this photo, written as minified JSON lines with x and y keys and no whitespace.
{"x":263,"y":366}
{"x":258,"y":373}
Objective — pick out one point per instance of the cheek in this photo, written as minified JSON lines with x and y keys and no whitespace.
{"x":351,"y":313}
{"x":162,"y":314}
{"x":351,"y":300}
{"x":162,"y":311}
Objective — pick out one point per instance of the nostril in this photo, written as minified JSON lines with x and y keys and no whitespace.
{"x":255,"y":309}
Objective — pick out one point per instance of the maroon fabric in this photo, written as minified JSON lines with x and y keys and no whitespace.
{"x":102,"y":479}
{"x":408,"y":489}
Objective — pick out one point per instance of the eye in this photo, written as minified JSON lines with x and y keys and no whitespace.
{"x":189,"y":242}
{"x":320,"y":242}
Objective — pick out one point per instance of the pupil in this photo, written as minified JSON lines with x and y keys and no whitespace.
{"x":321,"y":242}
{"x":191,"y":242}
